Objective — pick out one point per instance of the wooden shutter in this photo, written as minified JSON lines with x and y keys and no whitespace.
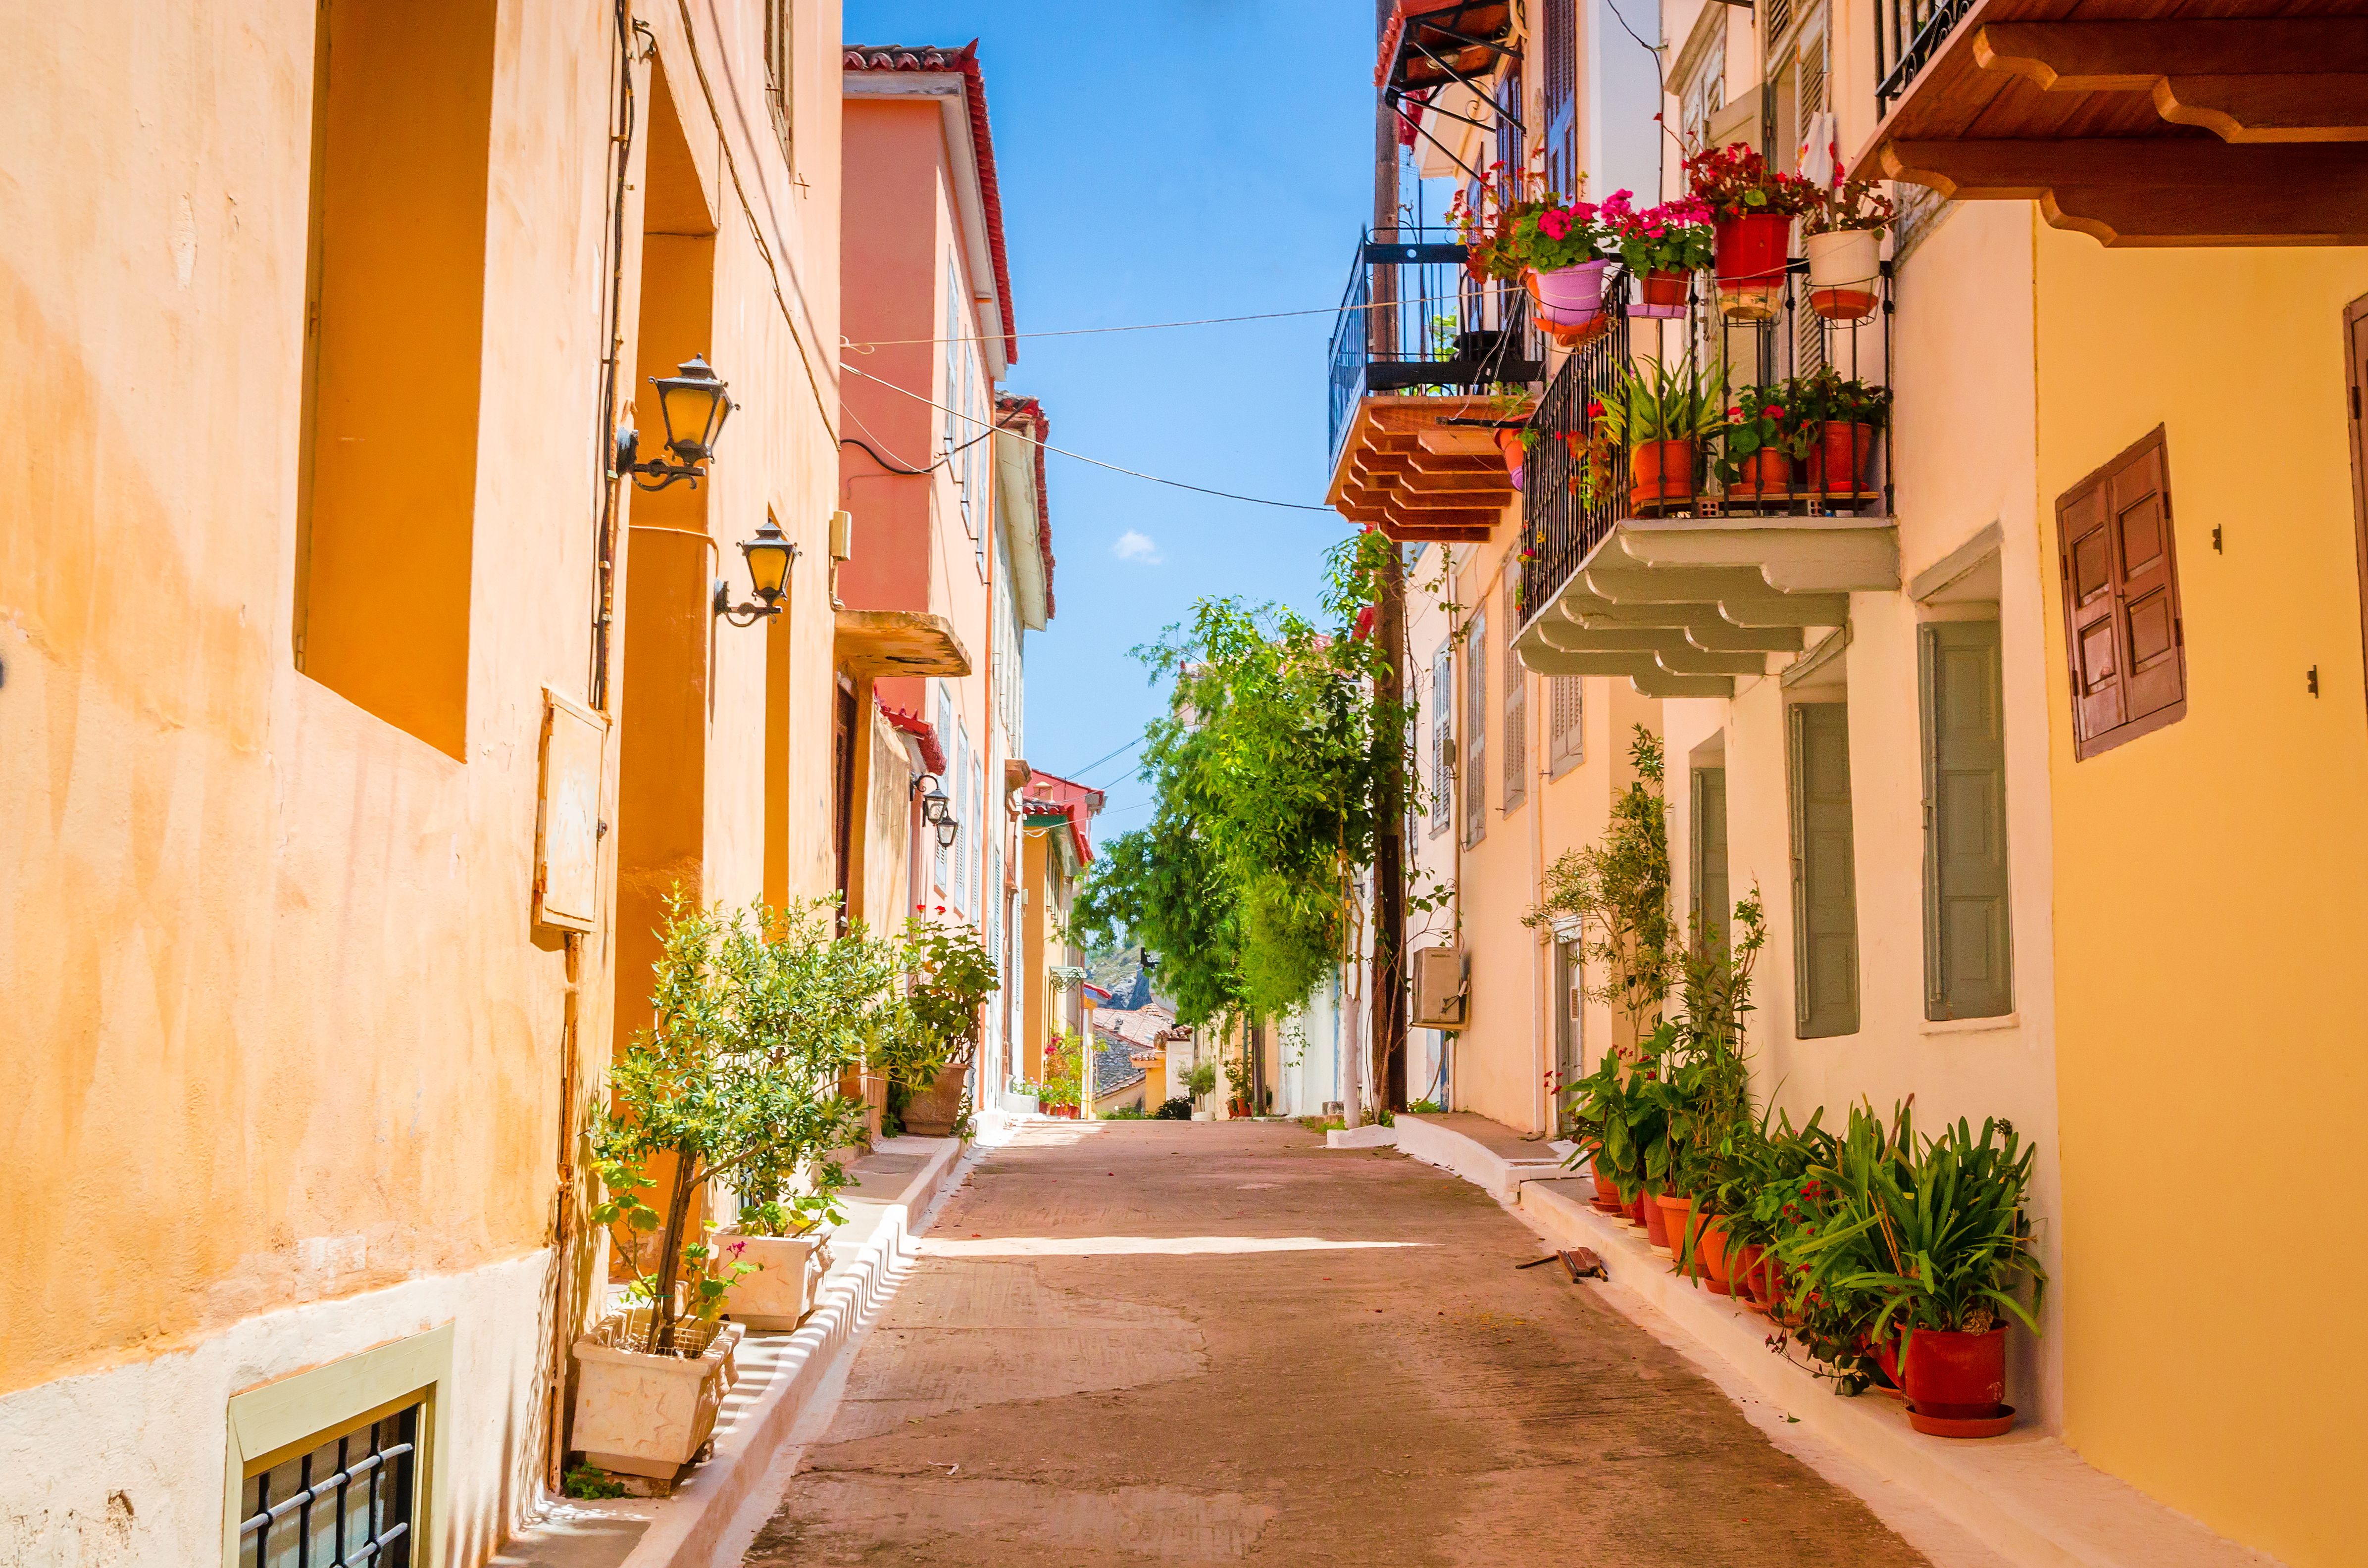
{"x":1516,"y":745}
{"x":2123,"y":639}
{"x":1711,"y":902}
{"x":1824,"y":887}
{"x":1566,"y":700}
{"x":1476,"y":728}
{"x":2355,"y":369}
{"x":1442,"y":740}
{"x":1968,"y":970}
{"x":1558,"y":40}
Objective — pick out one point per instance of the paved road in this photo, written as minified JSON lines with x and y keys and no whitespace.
{"x":1163,"y":1342}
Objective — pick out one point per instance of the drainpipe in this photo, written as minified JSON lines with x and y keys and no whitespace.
{"x":1541,"y":969}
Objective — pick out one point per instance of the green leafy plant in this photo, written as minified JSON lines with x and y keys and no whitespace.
{"x":1826,"y":396}
{"x":1856,"y":204}
{"x":1065,"y":1070}
{"x":1617,"y":890}
{"x":590,"y":1483}
{"x":1674,"y":236}
{"x":1512,"y":222}
{"x":1664,"y":401}
{"x":754,"y":1013}
{"x":1735,"y":181}
{"x":1175,"y":1109}
{"x":1200,"y":1079}
{"x":1762,"y":419}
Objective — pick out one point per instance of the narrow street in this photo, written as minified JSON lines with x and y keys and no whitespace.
{"x":1181,"y":1342}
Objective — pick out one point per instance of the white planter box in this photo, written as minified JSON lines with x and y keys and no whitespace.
{"x":643,"y":1414}
{"x":788,"y":1278}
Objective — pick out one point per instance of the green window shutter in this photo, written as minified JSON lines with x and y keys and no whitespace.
{"x":1825,"y":884}
{"x":1968,"y":951}
{"x":1711,"y":900}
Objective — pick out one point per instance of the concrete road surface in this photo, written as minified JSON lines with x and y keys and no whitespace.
{"x":1176,"y":1342}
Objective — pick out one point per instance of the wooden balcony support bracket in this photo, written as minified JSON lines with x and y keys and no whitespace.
{"x":2270,"y":79}
{"x":870,"y":643}
{"x":1417,"y":479}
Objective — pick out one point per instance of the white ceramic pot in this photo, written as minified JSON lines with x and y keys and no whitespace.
{"x":1204,"y":1116}
{"x":1844,"y":257}
{"x":789,"y":1276}
{"x":643,"y":1414}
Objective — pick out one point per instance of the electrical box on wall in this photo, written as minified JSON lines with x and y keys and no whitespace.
{"x":1443,"y":976}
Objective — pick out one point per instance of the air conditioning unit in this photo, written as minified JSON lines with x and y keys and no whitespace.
{"x":1442,"y":977}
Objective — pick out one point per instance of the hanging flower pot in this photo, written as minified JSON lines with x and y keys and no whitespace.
{"x":1751,"y":252}
{"x":1956,"y":1382}
{"x":1838,"y":459}
{"x":1661,"y":474}
{"x":1843,"y":267}
{"x":1661,"y":294}
{"x":1568,"y":301}
{"x":1765,"y":474}
{"x":1509,"y":443}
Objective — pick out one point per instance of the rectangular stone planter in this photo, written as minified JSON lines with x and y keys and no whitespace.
{"x":788,"y":1278}
{"x":643,"y":1414}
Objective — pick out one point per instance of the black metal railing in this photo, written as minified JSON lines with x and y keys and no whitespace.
{"x":1577,"y":482}
{"x":1908,"y":34}
{"x":1574,"y":485}
{"x":1414,"y":320}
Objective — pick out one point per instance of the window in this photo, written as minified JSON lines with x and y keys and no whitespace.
{"x":1517,"y":694}
{"x":1509,"y":115}
{"x":965,"y":836}
{"x":1443,"y":739}
{"x":1558,"y":41}
{"x":1967,"y":972}
{"x":950,"y":786}
{"x":347,"y":1497}
{"x":1825,"y":887}
{"x":1475,"y":729}
{"x":394,"y":342}
{"x":780,"y":58}
{"x":1566,"y":722}
{"x":1711,"y":903}
{"x":2119,"y":571}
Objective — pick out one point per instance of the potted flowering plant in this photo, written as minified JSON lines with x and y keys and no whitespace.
{"x":1515,"y":435}
{"x":1519,"y":229}
{"x":1841,"y":417}
{"x":1660,"y":246}
{"x":1662,"y":414}
{"x":1751,"y":212}
{"x":924,"y":1044}
{"x":1843,"y":237}
{"x":1763,"y":437}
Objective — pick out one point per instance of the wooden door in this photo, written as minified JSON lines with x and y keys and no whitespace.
{"x":1967,"y":946}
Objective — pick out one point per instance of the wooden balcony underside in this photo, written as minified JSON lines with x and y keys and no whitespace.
{"x":2149,"y":122}
{"x":1416,"y":479}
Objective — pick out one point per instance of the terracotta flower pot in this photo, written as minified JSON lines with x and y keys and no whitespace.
{"x":1838,"y":459}
{"x":1954,"y":1376}
{"x":1568,"y":301}
{"x":1765,"y":473}
{"x":1710,"y":1252}
{"x":1677,"y":1218}
{"x":1746,"y":1275}
{"x":1608,"y":1197}
{"x":1509,"y":443}
{"x":1660,"y":295}
{"x":932,"y":1111}
{"x":1661,"y":474}
{"x":1649,"y":1211}
{"x":1843,"y":267}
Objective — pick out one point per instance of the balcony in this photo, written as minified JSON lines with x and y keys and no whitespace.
{"x":1421,"y":355}
{"x":1682,"y":597}
{"x":2208,"y":122}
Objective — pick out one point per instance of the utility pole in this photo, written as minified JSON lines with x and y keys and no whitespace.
{"x":1387,"y":1037}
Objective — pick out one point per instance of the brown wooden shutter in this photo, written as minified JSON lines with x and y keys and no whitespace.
{"x":1517,"y":692}
{"x":2355,"y":370}
{"x":1566,"y":698}
{"x":2123,"y":639}
{"x":1476,"y":728}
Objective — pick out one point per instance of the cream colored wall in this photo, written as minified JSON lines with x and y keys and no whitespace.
{"x":2207,"y":903}
{"x":269,"y":961}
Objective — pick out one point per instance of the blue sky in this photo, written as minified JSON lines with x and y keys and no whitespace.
{"x":1164,"y":160}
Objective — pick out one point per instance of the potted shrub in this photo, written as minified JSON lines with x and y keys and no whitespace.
{"x":733,"y":1074}
{"x":1841,"y":417}
{"x":1842,"y":236}
{"x":1937,"y":1234}
{"x":1763,"y":438}
{"x":1662,"y":247}
{"x":925,"y":1043}
{"x":1751,"y":212}
{"x":1518,"y":229}
{"x":1662,"y":416}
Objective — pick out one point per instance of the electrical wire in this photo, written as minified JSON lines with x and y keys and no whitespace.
{"x":868,"y":345}
{"x":1081,"y":457}
{"x":892,"y":467}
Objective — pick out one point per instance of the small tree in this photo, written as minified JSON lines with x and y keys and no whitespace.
{"x":755,"y":1013}
{"x":1617,"y":891}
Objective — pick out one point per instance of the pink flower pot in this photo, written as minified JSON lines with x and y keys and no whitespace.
{"x":1569,"y":300}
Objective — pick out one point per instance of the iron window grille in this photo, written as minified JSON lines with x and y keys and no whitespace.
{"x":351,"y":1499}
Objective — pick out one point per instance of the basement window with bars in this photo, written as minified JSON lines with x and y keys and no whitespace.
{"x":348,"y":1497}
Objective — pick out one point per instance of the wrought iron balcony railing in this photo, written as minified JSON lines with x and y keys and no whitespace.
{"x":1908,"y":34}
{"x":1413,"y":321}
{"x":1577,"y":482}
